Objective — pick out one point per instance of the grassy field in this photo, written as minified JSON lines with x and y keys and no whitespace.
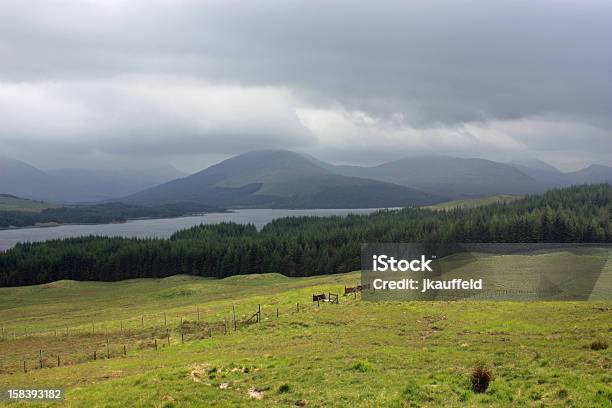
{"x":355,"y":353}
{"x":11,"y":203}
{"x":475,"y":202}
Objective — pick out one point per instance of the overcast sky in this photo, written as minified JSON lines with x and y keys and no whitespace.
{"x":192,"y":82}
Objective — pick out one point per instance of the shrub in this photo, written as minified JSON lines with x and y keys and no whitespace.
{"x":283,"y":389}
{"x":599,"y":345}
{"x":480,"y":378}
{"x":362,"y":366}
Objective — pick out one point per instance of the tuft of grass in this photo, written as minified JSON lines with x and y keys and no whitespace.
{"x":362,"y":366}
{"x":413,"y":393}
{"x":284,"y":388}
{"x":599,"y":345}
{"x":480,"y":378}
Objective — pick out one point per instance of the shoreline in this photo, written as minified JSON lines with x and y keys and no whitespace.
{"x":229,"y":210}
{"x":54,"y":225}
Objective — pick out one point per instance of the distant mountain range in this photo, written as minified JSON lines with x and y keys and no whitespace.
{"x":284,"y":179}
{"x":281,"y":179}
{"x":278,"y":178}
{"x":78,"y":185}
{"x":450,"y":177}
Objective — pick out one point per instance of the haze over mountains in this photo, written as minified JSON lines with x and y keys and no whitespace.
{"x":284,"y":179}
{"x":78,"y":185}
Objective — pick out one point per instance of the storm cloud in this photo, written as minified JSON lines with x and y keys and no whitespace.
{"x":354,"y":82}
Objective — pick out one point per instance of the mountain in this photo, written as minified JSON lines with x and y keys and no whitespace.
{"x":21,"y":179}
{"x":593,"y":174}
{"x":78,"y":185}
{"x":280,"y":179}
{"x":552,"y":177}
{"x":535,"y":164}
{"x":450,"y":176}
{"x":542,"y":172}
{"x":94,"y":185}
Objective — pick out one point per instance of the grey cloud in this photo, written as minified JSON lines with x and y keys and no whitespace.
{"x":439,"y":64}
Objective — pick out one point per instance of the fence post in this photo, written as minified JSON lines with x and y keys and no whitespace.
{"x":277,"y":312}
{"x":234,"y":312}
{"x":165,"y":320}
{"x":40,"y":357}
{"x":198,"y":313}
{"x":24,"y":367}
{"x":58,"y":360}
{"x":142,"y":321}
{"x":258,"y":313}
{"x":155,"y":344}
{"x":124,"y":351}
{"x":298,"y":307}
{"x":94,"y":355}
{"x":182,"y":337}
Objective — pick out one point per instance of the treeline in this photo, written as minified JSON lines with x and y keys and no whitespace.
{"x":308,"y":246}
{"x":99,"y":213}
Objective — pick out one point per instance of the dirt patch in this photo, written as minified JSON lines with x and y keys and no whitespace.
{"x":198,"y":372}
{"x":54,"y":285}
{"x":255,"y":393}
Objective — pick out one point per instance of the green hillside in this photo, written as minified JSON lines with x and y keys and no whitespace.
{"x":475,"y":202}
{"x":390,"y":354}
{"x":11,"y":203}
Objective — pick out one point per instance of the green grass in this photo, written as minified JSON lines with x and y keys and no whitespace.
{"x":10,"y":203}
{"x":357,"y":353}
{"x":475,"y":202}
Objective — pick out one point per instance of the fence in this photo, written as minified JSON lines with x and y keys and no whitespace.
{"x":56,"y":347}
{"x":355,"y":289}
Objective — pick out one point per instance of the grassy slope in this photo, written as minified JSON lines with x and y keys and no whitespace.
{"x":9,"y":203}
{"x":352,"y":354}
{"x":475,"y":202}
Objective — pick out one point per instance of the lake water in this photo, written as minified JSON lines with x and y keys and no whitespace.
{"x":160,"y":228}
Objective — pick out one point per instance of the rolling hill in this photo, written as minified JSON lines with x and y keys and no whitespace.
{"x":11,"y":203}
{"x":475,"y":202}
{"x":396,"y":354}
{"x":281,"y":179}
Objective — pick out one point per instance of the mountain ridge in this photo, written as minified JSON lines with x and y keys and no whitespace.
{"x":284,"y":179}
{"x":281,"y":179}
